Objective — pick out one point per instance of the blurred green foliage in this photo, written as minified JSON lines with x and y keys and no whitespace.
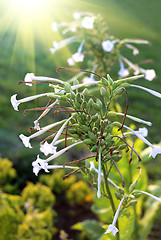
{"x":56,"y":183}
{"x":79,"y":193}
{"x":7,"y":176}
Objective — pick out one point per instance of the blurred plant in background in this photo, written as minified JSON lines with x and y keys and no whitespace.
{"x":101,"y":51}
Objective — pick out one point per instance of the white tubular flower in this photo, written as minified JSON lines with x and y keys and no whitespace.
{"x":150,"y":195}
{"x":60,"y":130}
{"x":15,"y":103}
{"x":155,"y":150}
{"x":134,"y":118}
{"x":87,"y":22}
{"x":62,"y":44}
{"x":135,"y":50}
{"x":124,"y":72}
{"x":47,"y":148}
{"x":54,"y":26}
{"x":38,"y":165}
{"x":142,"y":131}
{"x":131,"y":65}
{"x":36,"y":122}
{"x":78,"y":57}
{"x":89,"y":79}
{"x":108,"y":45}
{"x":26,"y":140}
{"x":28,"y":78}
{"x":99,"y":176}
{"x":92,"y":166}
{"x":147,"y":90}
{"x":149,"y":74}
{"x":137,"y":41}
{"x":77,"y":15}
{"x":62,"y":151}
{"x":111,"y":227}
{"x":70,"y":61}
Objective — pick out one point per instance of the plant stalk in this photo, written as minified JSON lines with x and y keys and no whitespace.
{"x":110,"y":198}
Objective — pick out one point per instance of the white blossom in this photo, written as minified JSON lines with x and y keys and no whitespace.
{"x":155,"y":150}
{"x":70,"y":61}
{"x":149,"y":73}
{"x":28,"y":78}
{"x":111,"y":227}
{"x":78,"y":57}
{"x":87,"y":22}
{"x":135,"y":50}
{"x":108,"y":45}
{"x":47,"y":148}
{"x":26,"y":140}
{"x":15,"y":103}
{"x":123,"y":72}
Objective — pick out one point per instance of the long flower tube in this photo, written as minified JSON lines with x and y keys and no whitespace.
{"x":147,"y":90}
{"x":136,"y":119}
{"x":135,"y":50}
{"x":111,"y":227}
{"x":47,"y":148}
{"x":62,"y":44}
{"x":123,"y":72}
{"x":15,"y":103}
{"x":26,"y":140}
{"x":155,"y":150}
{"x":99,"y":176}
{"x":150,"y":195}
{"x":39,"y":164}
{"x":92,"y":166}
{"x":36,"y":122}
{"x":29,"y":77}
{"x":61,"y":152}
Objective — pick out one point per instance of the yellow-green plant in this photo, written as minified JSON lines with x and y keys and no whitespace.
{"x":7,"y":176}
{"x":79,"y":193}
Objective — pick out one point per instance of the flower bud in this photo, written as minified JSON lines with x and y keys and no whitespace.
{"x":84,"y":128}
{"x":123,"y":146}
{"x":88,"y":141}
{"x":110,"y":79}
{"x":94,"y":148}
{"x":118,"y":195}
{"x":104,"y":81}
{"x":85,"y":92}
{"x":133,"y":203}
{"x":133,"y":186}
{"x":92,"y":136}
{"x":103,"y":92}
{"x":67,"y":87}
{"x":96,"y":106}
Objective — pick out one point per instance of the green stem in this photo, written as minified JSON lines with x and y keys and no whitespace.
{"x":110,"y":198}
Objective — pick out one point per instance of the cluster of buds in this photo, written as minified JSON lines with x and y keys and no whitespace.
{"x":89,"y":122}
{"x":92,"y":33}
